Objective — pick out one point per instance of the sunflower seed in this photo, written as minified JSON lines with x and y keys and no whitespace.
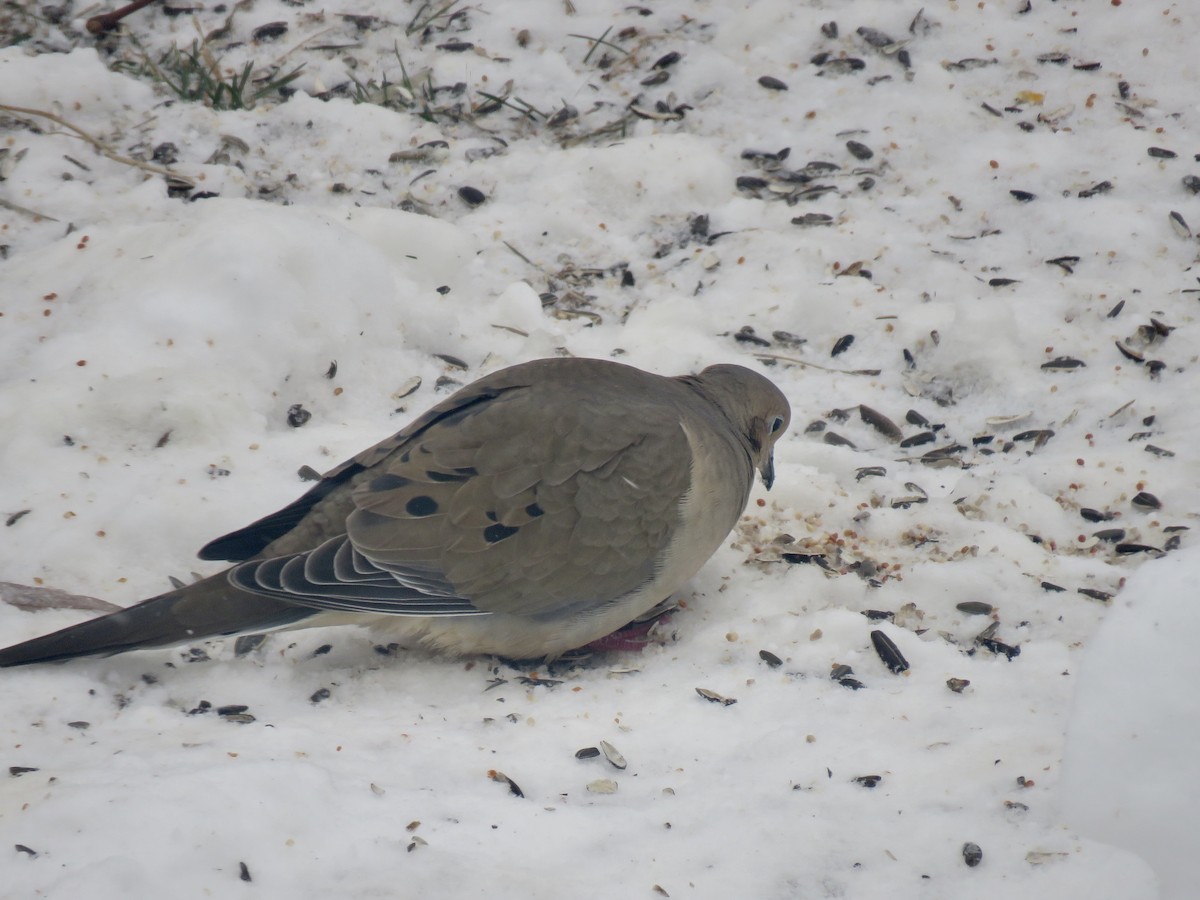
{"x":800,"y":559}
{"x":889,"y":652}
{"x":613,"y":755}
{"x":430,"y":150}
{"x":999,"y":648}
{"x":471,"y":196}
{"x":714,"y":697}
{"x":750,"y":183}
{"x":942,"y":453}
{"x":842,"y":65}
{"x":842,"y":344}
{"x":788,"y":339}
{"x":1066,"y":263}
{"x":408,"y":388}
{"x":975,"y":608}
{"x":770,"y":659}
{"x":859,"y":150}
{"x":1064,"y":363}
{"x":1130,"y":549}
{"x":270,"y":31}
{"x":1100,"y":187}
{"x":247,"y":644}
{"x":501,"y":778}
{"x":453,"y":361}
{"x":874,"y":36}
{"x":1145,"y":500}
{"x":810,"y":220}
{"x":924,"y":437}
{"x":297,"y":415}
{"x":964,"y":65}
{"x":880,"y":423}
{"x":1038,"y":435}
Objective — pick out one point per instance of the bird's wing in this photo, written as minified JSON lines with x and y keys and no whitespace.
{"x":540,"y":498}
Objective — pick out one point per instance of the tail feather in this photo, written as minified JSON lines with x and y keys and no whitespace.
{"x":208,"y":608}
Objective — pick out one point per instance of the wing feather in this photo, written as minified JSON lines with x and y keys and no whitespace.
{"x":524,"y":497}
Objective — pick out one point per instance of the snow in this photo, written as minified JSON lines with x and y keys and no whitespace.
{"x":168,"y":339}
{"x":1128,"y":776}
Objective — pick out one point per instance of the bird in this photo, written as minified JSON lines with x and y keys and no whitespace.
{"x":538,"y":509}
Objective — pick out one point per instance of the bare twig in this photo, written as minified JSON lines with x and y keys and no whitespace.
{"x":813,"y":365}
{"x":25,"y":210}
{"x":108,"y":21}
{"x":99,"y":146}
{"x":522,"y":256}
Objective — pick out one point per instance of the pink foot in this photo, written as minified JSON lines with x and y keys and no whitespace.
{"x":634,"y":636}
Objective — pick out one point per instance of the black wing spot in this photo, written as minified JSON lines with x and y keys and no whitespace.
{"x":421,"y":506}
{"x":467,"y":470}
{"x":446,"y":476}
{"x":533,"y":511}
{"x":388,"y":482}
{"x":492,"y":517}
{"x":495,"y":533}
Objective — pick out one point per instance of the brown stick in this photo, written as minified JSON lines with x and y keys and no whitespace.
{"x":108,"y":21}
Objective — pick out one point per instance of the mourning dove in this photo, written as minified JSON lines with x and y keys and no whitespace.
{"x":540,"y":508}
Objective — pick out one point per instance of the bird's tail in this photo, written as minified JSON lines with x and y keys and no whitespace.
{"x":208,"y":608}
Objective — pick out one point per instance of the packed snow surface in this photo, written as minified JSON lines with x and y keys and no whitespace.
{"x":994,"y":200}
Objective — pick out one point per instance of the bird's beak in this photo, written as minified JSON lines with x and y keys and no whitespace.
{"x":768,"y":471}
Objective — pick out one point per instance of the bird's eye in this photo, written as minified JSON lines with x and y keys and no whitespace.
{"x":776,"y":424}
